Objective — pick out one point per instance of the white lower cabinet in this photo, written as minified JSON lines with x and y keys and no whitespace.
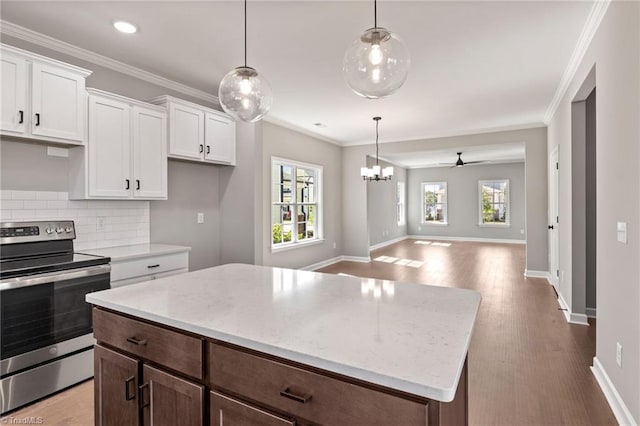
{"x":148,"y":268}
{"x":126,"y":152}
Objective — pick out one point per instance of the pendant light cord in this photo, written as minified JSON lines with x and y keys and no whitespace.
{"x":375,"y":14}
{"x":377,"y":121}
{"x":245,"y":33}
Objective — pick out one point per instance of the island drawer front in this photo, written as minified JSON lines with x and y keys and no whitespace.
{"x":306,"y":395}
{"x":226,"y":411}
{"x":174,"y":350}
{"x":148,"y":265}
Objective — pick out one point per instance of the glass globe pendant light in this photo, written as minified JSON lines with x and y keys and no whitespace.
{"x":244,"y":93}
{"x":377,"y":63}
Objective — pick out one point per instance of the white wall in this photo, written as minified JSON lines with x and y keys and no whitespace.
{"x":463,"y":201}
{"x":354,"y":197}
{"x":288,"y":144}
{"x":615,"y":53}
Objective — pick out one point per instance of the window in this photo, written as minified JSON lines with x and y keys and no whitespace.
{"x":494,"y":202}
{"x":400,"y":203}
{"x":434,"y":203}
{"x":296,"y":209}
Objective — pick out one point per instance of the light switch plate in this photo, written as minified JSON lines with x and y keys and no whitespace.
{"x":622,"y":232}
{"x":200,"y":217}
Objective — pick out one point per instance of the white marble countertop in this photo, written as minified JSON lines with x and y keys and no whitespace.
{"x":123,"y":253}
{"x":409,"y":337}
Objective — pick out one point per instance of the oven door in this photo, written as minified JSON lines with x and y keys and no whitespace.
{"x":45,"y":316}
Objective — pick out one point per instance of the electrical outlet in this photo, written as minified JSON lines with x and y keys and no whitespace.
{"x":101,"y":223}
{"x":522,"y":231}
{"x":619,"y":354}
{"x":419,"y":228}
{"x":200,"y":217}
{"x":622,"y":232}
{"x":335,"y":245}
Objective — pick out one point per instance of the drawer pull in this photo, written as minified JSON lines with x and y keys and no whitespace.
{"x":136,"y":341}
{"x":144,"y":404}
{"x":157,"y":265}
{"x":127,"y":386}
{"x":301,"y":399}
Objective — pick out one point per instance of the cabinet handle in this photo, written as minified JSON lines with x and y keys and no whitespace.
{"x":550,"y":227}
{"x":144,"y":404}
{"x":208,"y":149}
{"x":128,"y":184}
{"x":37,"y":118}
{"x":138,"y":184}
{"x":21,"y":112}
{"x":201,"y":148}
{"x":136,"y":341}
{"x":301,"y":399}
{"x":157,"y":265}
{"x":127,"y":387}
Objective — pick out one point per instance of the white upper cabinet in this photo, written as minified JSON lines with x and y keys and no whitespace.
{"x":220,"y":130}
{"x":126,"y":153}
{"x":42,"y":99}
{"x":197,"y":133}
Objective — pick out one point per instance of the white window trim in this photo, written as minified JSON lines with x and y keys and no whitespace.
{"x":403,"y":216}
{"x":319,"y":238}
{"x":507,"y":223}
{"x":446,"y":191}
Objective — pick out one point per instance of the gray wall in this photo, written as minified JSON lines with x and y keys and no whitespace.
{"x":354,"y":195}
{"x":463,"y":201}
{"x":285,"y":143}
{"x":615,"y":53}
{"x":27,"y":166}
{"x":381,"y":205}
{"x":591,"y":200}
{"x":578,"y":205}
{"x":192,"y":188}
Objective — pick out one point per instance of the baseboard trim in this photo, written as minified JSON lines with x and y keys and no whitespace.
{"x":571,"y":317}
{"x":529,"y":273}
{"x":333,"y":260}
{"x":466,"y":239}
{"x":619,"y":408}
{"x":387,"y":243}
{"x":591,"y":312}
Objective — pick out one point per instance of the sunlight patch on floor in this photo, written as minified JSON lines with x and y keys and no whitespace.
{"x":402,"y":262}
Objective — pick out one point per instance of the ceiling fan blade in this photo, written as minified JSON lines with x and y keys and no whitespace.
{"x":475,"y":162}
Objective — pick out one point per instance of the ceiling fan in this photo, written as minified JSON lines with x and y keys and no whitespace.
{"x":461,"y":163}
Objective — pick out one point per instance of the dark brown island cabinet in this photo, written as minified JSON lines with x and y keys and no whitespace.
{"x":151,"y":374}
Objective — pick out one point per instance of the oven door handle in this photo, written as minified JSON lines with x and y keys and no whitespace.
{"x":53,"y":277}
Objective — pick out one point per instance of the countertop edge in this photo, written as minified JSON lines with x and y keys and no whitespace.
{"x":438,"y":394}
{"x":169,"y":249}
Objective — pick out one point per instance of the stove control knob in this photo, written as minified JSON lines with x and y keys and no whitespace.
{"x":49,"y":231}
{"x":68,"y":229}
{"x":59,"y":230}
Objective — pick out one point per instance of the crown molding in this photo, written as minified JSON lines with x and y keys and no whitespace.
{"x":594,"y":19}
{"x":13,"y":30}
{"x":286,"y":125}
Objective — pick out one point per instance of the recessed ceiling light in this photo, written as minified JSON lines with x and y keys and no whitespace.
{"x":125,"y":27}
{"x":320,"y":125}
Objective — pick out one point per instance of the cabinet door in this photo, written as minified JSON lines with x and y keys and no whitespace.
{"x":13,"y":114}
{"x":186,"y":133}
{"x":220,"y":139}
{"x":149,"y":153}
{"x":227,"y":411}
{"x":58,"y":103}
{"x":169,"y":400}
{"x":109,"y":148}
{"x":116,"y":386}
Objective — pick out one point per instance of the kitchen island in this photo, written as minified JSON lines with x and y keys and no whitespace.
{"x":242,"y":344}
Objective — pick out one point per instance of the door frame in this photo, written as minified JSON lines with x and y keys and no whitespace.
{"x":554,"y":241}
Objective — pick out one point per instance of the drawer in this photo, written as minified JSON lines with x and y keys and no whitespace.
{"x":175,"y":350}
{"x":308,"y":396}
{"x":148,"y":266}
{"x":226,"y":411}
{"x":144,"y":278}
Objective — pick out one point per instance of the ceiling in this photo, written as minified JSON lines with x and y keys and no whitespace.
{"x":489,"y":154}
{"x":476,"y":66}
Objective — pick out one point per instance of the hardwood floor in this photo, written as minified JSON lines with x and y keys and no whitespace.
{"x":527,"y":365}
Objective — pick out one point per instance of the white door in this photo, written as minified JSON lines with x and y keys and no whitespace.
{"x":149,"y":153}
{"x":13,"y":114}
{"x":58,"y":103}
{"x":554,"y":250}
{"x":109,"y":148}
{"x":220,"y":139}
{"x":186,"y":138}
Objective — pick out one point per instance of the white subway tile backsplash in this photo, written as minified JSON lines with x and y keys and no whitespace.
{"x":126,"y":222}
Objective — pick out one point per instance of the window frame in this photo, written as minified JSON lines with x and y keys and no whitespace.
{"x":319,"y":231}
{"x":423,"y":203}
{"x":507,"y":204}
{"x":401,"y":203}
